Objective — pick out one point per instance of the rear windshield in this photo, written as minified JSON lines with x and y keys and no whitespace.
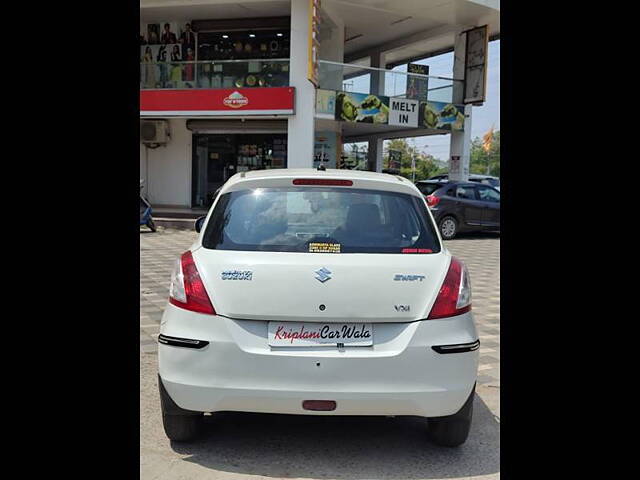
{"x":428,"y":188}
{"x":321,"y":220}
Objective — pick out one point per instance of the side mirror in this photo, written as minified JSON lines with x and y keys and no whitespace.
{"x":199,"y":222}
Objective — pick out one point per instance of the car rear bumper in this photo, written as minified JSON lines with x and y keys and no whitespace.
{"x":237,"y":371}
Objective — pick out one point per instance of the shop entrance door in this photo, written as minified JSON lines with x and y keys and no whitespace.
{"x":217,"y":157}
{"x":214,"y":161}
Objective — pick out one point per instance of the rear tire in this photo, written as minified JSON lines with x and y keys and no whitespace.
{"x":180,"y":425}
{"x":453,"y":430}
{"x":448,"y":227}
{"x":181,"y":428}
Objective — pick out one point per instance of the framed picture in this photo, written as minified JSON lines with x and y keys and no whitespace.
{"x":153,"y":33}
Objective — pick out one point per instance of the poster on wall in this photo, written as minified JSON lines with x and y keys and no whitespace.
{"x":167,"y":33}
{"x":325,"y":104}
{"x":454,"y":166}
{"x":162,"y":67}
{"x":441,"y":116}
{"x":403,"y":112}
{"x":164,"y":49}
{"x":325,"y":149}
{"x":475,"y":74}
{"x":417,"y":87}
{"x":362,"y":108}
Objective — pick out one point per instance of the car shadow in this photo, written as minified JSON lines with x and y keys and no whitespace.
{"x":301,"y":446}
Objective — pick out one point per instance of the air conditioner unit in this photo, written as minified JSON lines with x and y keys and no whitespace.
{"x":154,"y":131}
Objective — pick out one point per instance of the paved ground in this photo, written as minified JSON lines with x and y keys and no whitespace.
{"x":275,"y":446}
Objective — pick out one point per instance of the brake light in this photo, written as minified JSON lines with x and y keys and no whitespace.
{"x":322,"y":181}
{"x":454,"y":297}
{"x":432,"y":200}
{"x":187,"y":289}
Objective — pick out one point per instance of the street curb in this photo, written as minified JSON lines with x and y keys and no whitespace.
{"x":177,"y":223}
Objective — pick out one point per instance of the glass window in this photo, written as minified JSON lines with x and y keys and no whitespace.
{"x":230,"y":45}
{"x":428,"y":188}
{"x":466,"y":192}
{"x":290,"y":219}
{"x":488,"y":194}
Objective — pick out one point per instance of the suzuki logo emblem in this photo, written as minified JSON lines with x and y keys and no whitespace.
{"x":323,"y":275}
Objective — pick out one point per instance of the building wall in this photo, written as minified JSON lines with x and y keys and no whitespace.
{"x":168,"y":180}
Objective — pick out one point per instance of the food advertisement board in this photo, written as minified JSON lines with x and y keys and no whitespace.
{"x":362,"y":108}
{"x":417,"y":87}
{"x":441,"y":116}
{"x":403,"y":112}
{"x":325,"y":103}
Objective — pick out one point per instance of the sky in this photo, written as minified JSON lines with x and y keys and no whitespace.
{"x":483,"y":117}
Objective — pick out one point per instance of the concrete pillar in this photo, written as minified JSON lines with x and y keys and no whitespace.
{"x":376,"y":82}
{"x":460,"y":146}
{"x":375,"y":152}
{"x":300,"y":126}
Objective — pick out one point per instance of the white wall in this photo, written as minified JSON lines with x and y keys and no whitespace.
{"x":168,"y":180}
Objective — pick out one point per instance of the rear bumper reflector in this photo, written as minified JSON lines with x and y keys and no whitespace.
{"x":319,"y":405}
{"x":182,"y":342}
{"x":457,"y":348}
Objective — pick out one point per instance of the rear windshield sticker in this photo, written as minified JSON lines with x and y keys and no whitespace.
{"x":417,"y":250}
{"x":321,"y":247}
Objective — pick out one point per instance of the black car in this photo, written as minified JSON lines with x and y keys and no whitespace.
{"x":462,"y":206}
{"x":486,"y":179}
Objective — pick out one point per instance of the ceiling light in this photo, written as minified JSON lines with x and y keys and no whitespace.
{"x":278,"y":34}
{"x":252,"y":35}
{"x":225,"y":36}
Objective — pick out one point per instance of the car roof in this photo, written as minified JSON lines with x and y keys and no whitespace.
{"x":474,"y":175}
{"x":446,"y":182}
{"x":471,"y":175}
{"x":283,"y":177}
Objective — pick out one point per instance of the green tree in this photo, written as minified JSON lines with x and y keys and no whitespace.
{"x":482,"y":162}
{"x":426,"y":165}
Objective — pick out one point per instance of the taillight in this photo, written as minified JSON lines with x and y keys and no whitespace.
{"x":187,"y":288}
{"x":454,"y":297}
{"x":432,"y":200}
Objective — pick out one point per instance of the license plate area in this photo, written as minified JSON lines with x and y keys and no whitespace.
{"x":300,"y":334}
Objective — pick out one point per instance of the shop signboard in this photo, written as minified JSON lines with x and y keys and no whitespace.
{"x":441,"y":116}
{"x":403,"y":112}
{"x":325,"y":104}
{"x":417,"y":87}
{"x":362,"y":108}
{"x":218,"y":102}
{"x":475,"y":65}
{"x":313,"y":44}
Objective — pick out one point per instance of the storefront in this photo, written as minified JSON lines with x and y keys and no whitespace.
{"x":215,"y":53}
{"x":222,"y":88}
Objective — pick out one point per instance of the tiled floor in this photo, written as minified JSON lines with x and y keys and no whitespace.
{"x":481,"y":254}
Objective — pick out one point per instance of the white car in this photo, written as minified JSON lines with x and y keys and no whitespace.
{"x":319,"y":293}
